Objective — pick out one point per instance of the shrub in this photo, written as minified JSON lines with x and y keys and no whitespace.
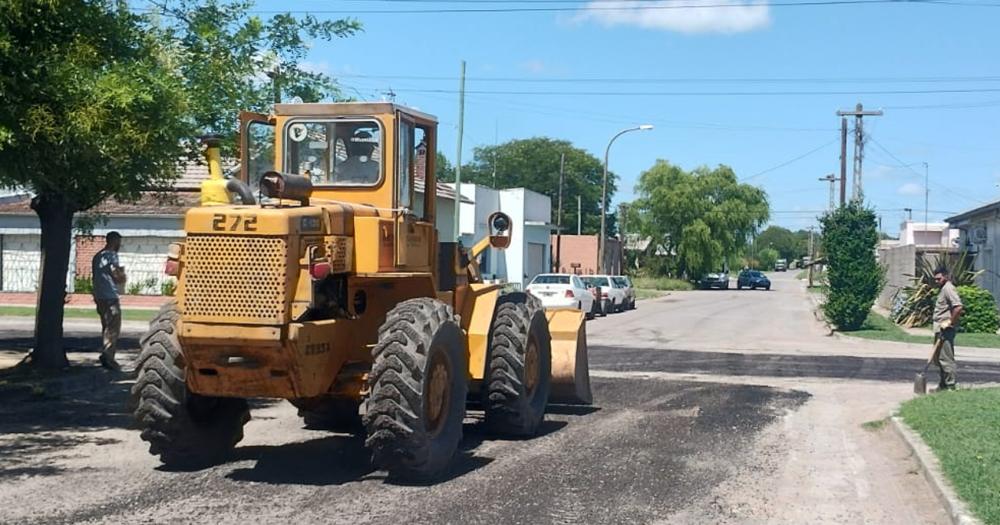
{"x":168,"y":288}
{"x":917,"y":306}
{"x":83,"y":285}
{"x":850,"y":236}
{"x":980,"y":311}
{"x":661,"y":283}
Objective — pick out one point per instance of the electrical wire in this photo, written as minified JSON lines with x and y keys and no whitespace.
{"x":593,"y":8}
{"x":678,"y":80}
{"x":790,"y":161}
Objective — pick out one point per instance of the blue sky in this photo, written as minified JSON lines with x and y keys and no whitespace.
{"x":850,"y":49}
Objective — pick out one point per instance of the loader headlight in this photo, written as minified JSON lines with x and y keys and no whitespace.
{"x":501,"y":223}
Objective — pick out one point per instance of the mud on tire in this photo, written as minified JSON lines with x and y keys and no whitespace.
{"x":518,"y":375}
{"x":185,"y":429}
{"x":414,"y":413}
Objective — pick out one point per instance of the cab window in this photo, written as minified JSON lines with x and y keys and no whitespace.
{"x":336,"y":153}
{"x":260,"y":151}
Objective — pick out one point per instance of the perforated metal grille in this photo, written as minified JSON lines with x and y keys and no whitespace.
{"x":234,"y":278}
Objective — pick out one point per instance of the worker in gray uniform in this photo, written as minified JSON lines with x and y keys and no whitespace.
{"x":947,"y":312}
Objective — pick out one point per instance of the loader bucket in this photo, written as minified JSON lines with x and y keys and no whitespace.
{"x":570,"y":370}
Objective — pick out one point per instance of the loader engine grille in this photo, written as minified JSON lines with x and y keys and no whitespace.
{"x":234,"y":278}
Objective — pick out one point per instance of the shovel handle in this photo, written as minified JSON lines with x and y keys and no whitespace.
{"x":937,"y":348}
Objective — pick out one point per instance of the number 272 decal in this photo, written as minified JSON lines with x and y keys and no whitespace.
{"x":222,"y":222}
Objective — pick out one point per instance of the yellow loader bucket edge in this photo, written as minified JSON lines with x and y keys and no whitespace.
{"x":570,"y":369}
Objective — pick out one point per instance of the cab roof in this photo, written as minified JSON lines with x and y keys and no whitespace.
{"x":348,"y":109}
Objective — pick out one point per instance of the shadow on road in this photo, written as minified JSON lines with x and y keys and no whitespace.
{"x":777,"y":365}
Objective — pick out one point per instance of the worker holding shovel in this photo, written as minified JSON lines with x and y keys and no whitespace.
{"x":947,"y":311}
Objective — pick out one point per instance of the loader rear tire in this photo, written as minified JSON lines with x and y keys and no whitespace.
{"x":414,"y":414}
{"x":185,"y":429}
{"x":519,"y":373}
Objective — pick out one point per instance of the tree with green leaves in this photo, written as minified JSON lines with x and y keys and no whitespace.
{"x":700,"y":218}
{"x":232,"y":60}
{"x":98,"y":101}
{"x":850,"y":239}
{"x":534,"y":164}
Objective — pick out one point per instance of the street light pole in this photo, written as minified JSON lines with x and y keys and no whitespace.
{"x":604,"y":195}
{"x":927,"y":192}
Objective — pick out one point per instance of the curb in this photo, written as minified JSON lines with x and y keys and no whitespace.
{"x":931,"y":468}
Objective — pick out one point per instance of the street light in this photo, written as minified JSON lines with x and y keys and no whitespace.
{"x":604,"y":194}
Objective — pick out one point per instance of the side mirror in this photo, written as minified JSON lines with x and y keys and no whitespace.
{"x":499,"y":224}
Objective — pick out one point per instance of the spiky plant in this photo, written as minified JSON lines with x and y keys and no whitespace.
{"x":918,"y":303}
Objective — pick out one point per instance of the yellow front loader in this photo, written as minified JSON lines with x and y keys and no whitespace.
{"x":318,"y":276}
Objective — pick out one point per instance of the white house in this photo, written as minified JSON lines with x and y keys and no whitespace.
{"x":980,"y":237}
{"x":927,"y":234}
{"x":530,"y":212}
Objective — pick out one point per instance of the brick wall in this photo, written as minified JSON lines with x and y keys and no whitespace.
{"x":582,"y":250}
{"x":86,"y":248}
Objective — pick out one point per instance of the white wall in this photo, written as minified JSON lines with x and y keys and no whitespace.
{"x":21,"y":260}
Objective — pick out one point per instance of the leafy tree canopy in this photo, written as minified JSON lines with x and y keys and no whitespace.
{"x":99,"y":101}
{"x":701,"y":217}
{"x":534,"y":164}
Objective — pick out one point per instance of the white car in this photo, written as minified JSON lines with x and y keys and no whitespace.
{"x":612,"y":297}
{"x":557,"y":290}
{"x":626,"y":284}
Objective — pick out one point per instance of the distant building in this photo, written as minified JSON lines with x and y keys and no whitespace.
{"x":917,"y":241}
{"x":927,"y":234}
{"x":579,"y":255}
{"x":530,"y":213}
{"x":980,"y":236}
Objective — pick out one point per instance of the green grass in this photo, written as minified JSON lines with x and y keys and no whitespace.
{"x":817,"y":288}
{"x":874,"y":425}
{"x":881,"y":329}
{"x":661,"y":283}
{"x":78,"y":313}
{"x":643,"y":293}
{"x":963,"y":430}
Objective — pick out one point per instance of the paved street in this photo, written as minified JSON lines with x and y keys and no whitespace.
{"x":710,"y":407}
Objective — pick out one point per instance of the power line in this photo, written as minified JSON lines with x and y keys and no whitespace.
{"x":707,"y":93}
{"x":676,"y":80}
{"x":787,"y":162}
{"x":596,"y":8}
{"x":902,"y":164}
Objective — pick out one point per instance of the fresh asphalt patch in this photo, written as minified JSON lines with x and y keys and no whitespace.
{"x":620,"y":359}
{"x":645,"y":450}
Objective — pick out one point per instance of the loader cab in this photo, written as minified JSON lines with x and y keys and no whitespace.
{"x":373,"y":154}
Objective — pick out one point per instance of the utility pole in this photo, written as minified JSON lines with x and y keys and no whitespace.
{"x":831,"y":179}
{"x":859,"y":144}
{"x":562,"y":166}
{"x":275,"y":75}
{"x":496,"y":135}
{"x":843,"y":161}
{"x":909,"y":214}
{"x":458,"y":154}
{"x":579,"y":215}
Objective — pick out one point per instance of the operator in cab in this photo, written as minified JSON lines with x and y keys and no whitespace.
{"x":360,"y":167}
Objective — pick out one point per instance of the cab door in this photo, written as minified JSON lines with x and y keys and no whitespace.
{"x":414,"y":233}
{"x":257,"y":147}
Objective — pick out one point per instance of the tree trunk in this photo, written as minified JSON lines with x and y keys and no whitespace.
{"x":56,"y":218}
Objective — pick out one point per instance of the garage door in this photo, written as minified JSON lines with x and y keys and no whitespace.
{"x":21,"y":257}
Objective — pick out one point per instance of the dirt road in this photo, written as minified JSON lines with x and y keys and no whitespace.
{"x":710,"y":407}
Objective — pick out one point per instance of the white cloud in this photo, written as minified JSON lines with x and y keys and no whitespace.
{"x":910,"y":189}
{"x":535,"y":66}
{"x":736,"y":17}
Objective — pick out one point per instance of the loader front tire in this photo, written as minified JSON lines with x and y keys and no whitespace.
{"x":518,"y":376}
{"x":185,"y":429}
{"x":414,"y":414}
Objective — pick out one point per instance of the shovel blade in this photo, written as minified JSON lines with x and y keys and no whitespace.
{"x":920,"y":384}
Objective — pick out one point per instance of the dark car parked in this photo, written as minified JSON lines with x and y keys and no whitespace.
{"x":752,"y":279}
{"x":715,"y":280}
